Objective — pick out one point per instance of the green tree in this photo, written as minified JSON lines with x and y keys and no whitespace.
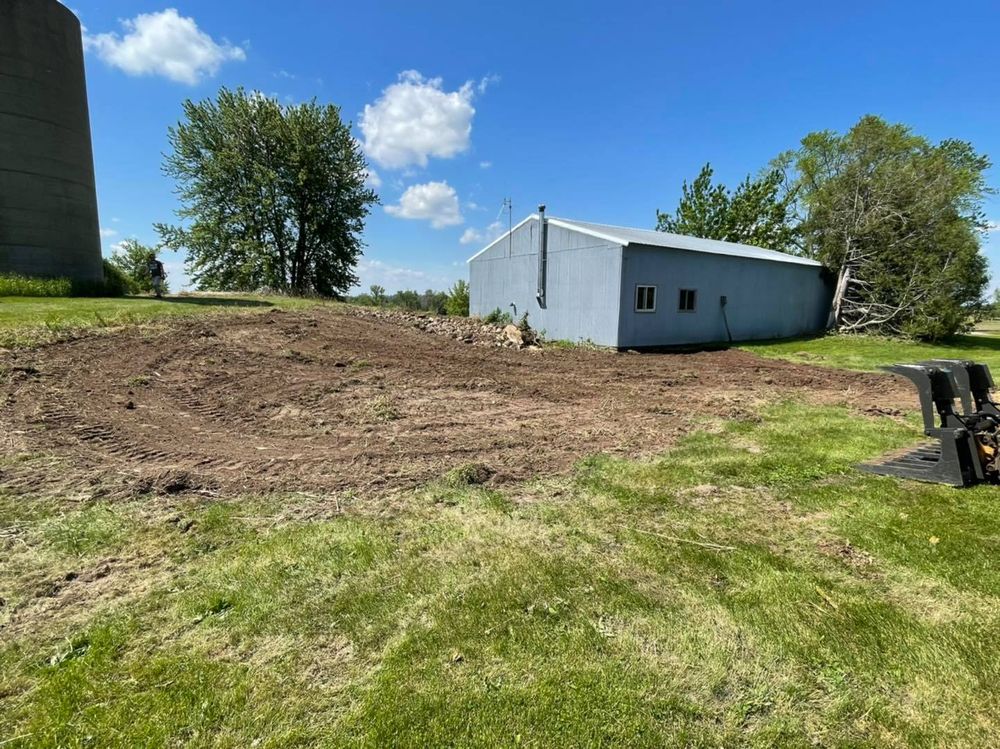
{"x":458,"y":299}
{"x":434,"y":301}
{"x":405,"y":298}
{"x":271,"y":195}
{"x":131,"y":257}
{"x":760,"y":211}
{"x":993,"y":309}
{"x":378,"y":294}
{"x":900,"y":219}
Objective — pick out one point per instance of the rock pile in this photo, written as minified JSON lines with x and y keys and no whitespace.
{"x":468,"y":330}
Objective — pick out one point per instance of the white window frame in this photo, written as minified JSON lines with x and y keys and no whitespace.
{"x":694,"y":309}
{"x":656,"y":295}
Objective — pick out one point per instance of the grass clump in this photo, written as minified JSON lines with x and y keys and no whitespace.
{"x":382,"y":409}
{"x":470,"y":474}
{"x":139,"y":381}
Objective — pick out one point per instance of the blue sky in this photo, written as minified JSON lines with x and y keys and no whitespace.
{"x":598,"y":109}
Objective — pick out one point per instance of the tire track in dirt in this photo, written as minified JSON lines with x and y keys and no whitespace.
{"x":329,"y":400}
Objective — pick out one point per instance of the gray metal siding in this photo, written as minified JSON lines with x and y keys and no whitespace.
{"x":583,"y":282}
{"x":765,"y":299}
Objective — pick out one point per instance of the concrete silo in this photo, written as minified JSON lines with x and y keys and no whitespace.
{"x":48,"y":200}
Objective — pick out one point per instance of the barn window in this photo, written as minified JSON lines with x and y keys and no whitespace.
{"x":645,"y":299}
{"x":688,"y":300}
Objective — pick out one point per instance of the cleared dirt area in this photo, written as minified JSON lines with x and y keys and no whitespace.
{"x":330,"y":400}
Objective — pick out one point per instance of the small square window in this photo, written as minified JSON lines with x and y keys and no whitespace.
{"x":688,"y":300}
{"x":645,"y":299}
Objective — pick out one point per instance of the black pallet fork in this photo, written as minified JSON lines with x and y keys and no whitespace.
{"x":966,"y":448}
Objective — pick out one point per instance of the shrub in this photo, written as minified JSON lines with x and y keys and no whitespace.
{"x":15,"y":285}
{"x":131,"y":261}
{"x":457,"y":303}
{"x":498,"y":317}
{"x":115,"y":283}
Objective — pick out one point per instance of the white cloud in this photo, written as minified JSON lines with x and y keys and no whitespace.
{"x":436,"y":202}
{"x":483,"y":236}
{"x":993,"y":226}
{"x":372,"y":180}
{"x":485,"y":164}
{"x":488,"y":81}
{"x":164,"y":43}
{"x":394,"y":278}
{"x":414,"y":119}
{"x":108,"y":233}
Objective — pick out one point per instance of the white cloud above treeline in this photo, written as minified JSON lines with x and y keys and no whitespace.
{"x":436,"y":202}
{"x":415,"y":119}
{"x":165,"y":44}
{"x":395,"y":278}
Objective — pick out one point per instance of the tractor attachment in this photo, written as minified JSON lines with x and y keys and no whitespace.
{"x":967,"y":447}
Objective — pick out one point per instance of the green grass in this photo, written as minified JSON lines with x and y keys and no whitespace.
{"x":867,"y":353}
{"x":27,"y":321}
{"x":750,"y":587}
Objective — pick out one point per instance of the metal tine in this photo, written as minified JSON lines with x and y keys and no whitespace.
{"x":959,"y":369}
{"x":981,"y":381}
{"x":954,"y":460}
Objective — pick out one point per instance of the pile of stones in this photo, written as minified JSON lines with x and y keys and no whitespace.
{"x":470,"y":330}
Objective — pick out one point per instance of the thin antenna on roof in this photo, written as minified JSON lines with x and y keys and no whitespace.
{"x":508,"y":204}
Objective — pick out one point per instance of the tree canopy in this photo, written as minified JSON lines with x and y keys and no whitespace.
{"x":272,"y":196}
{"x":900,"y":219}
{"x":758,"y":213}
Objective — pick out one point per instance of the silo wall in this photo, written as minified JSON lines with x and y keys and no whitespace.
{"x":48,"y":199}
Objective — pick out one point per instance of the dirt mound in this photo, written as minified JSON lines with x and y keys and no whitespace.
{"x":330,"y":399}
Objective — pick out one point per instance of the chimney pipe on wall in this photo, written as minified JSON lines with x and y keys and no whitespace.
{"x":543,"y":255}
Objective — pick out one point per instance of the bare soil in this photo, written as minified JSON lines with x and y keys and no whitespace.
{"x":330,"y":400}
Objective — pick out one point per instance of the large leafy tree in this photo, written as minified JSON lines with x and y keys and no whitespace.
{"x":271,"y":196}
{"x":900,"y":219}
{"x":759,"y":212}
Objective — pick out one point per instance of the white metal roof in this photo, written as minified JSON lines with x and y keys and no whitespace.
{"x":625,"y":236}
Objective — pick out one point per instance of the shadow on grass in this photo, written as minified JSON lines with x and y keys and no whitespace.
{"x":975,"y":342}
{"x":208,"y":301}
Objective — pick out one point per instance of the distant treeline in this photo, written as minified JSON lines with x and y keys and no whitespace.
{"x":453,"y":302}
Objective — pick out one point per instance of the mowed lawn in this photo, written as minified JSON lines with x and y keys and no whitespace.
{"x":31,"y":320}
{"x":867,"y":353}
{"x":747,"y":588}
